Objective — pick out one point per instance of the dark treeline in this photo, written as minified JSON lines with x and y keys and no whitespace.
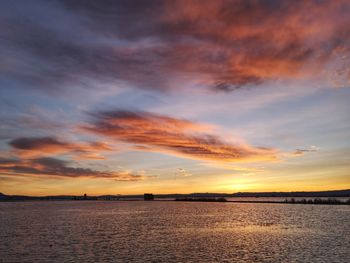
{"x":333,"y":193}
{"x":318,"y":201}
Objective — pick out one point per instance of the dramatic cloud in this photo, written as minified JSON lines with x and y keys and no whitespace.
{"x":162,"y":133}
{"x":56,"y":167}
{"x":248,"y":42}
{"x":164,"y":44}
{"x":38,"y":146}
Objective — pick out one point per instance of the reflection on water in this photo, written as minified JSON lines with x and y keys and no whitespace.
{"x":90,"y":231}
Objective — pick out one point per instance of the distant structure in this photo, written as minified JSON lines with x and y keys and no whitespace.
{"x":148,"y":197}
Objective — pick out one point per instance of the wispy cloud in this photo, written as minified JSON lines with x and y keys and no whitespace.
{"x":59,"y":168}
{"x":312,"y":148}
{"x":181,"y":172}
{"x":39,"y":146}
{"x":153,"y":132}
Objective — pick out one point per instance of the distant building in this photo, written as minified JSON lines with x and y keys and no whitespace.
{"x":148,"y":197}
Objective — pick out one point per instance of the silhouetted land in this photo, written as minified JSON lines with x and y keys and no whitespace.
{"x":205,"y":197}
{"x":318,"y":201}
{"x":202,"y":199}
{"x":332,"y":193}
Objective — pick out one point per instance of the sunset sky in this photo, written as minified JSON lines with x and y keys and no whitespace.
{"x":127,"y":97}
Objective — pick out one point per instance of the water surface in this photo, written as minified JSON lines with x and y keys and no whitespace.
{"x":137,"y":231}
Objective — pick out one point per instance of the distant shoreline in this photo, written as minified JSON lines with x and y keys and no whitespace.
{"x":297,"y":194}
{"x":204,"y":197}
{"x":316,"y":201}
{"x":187,"y":201}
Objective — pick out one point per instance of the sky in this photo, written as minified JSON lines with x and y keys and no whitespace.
{"x":128,"y":97}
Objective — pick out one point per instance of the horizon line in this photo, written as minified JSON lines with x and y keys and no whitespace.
{"x":141,"y":194}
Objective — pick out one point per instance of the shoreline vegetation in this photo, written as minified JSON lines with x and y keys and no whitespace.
{"x":316,"y":198}
{"x":316,"y":201}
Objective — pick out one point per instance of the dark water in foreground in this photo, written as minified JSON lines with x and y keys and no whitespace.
{"x":97,"y":231}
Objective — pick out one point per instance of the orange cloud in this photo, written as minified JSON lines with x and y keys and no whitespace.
{"x":59,"y":168}
{"x":154,"y":132}
{"x":225,"y":44}
{"x":37,"y":146}
{"x":237,"y":43}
